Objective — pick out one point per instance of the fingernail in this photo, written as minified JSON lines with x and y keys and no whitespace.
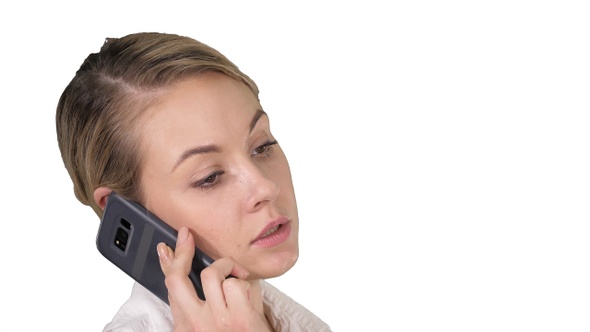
{"x":245,"y":274}
{"x":182,"y":235}
{"x":162,"y":252}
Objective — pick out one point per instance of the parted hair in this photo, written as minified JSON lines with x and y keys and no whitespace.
{"x":99,"y":112}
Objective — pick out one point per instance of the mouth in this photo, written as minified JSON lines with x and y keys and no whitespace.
{"x":275,"y":233}
{"x":270,"y":231}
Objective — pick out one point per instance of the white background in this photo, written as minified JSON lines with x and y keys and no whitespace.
{"x":439,"y":149}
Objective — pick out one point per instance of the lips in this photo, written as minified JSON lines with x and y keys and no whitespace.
{"x":275,"y":233}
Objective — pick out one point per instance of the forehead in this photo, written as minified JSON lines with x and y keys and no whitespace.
{"x":202,"y":101}
{"x":211,"y":108}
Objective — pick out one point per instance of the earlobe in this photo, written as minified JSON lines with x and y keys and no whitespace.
{"x":100,"y":196}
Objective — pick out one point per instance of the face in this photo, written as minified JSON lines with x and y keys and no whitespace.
{"x":212,"y":164}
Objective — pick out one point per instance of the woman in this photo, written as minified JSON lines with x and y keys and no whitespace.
{"x":171,"y":123}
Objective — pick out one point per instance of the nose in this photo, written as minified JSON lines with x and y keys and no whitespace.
{"x":260,"y":186}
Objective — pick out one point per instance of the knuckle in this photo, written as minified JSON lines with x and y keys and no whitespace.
{"x":208,"y":274}
{"x":223,"y":321}
{"x":233,"y":284}
{"x":173,"y":280}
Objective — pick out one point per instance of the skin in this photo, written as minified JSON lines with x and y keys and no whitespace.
{"x":214,"y":172}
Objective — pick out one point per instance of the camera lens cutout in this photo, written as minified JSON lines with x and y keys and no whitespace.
{"x":121,"y":238}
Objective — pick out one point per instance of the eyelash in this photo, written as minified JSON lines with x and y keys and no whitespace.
{"x":267,"y":149}
{"x":210,"y":181}
{"x":213,"y":179}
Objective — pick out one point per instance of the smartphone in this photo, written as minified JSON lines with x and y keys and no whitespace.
{"x":128,"y":236}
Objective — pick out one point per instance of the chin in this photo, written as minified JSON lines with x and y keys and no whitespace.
{"x":276,"y":266}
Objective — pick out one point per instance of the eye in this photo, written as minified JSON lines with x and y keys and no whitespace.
{"x":264,"y":150}
{"x":210,"y":181}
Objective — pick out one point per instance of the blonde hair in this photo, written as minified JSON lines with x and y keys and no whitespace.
{"x":98,"y":112}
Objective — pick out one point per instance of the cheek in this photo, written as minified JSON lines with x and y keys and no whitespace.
{"x":284,"y":178}
{"x":214,"y":225}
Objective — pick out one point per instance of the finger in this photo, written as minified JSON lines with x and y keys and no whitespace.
{"x":166,"y":255}
{"x":213,"y":277}
{"x":185,"y":251}
{"x":182,"y":296}
{"x":238,"y":295}
{"x":176,"y":266}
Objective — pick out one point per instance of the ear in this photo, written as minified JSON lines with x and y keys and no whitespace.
{"x":100,"y":196}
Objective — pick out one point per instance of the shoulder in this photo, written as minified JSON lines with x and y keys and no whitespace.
{"x":143,"y":312}
{"x":285,"y":314}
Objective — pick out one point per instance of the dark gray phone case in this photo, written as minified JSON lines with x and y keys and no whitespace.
{"x":135,"y":253}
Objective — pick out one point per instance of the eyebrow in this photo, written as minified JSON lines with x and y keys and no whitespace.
{"x":259,"y":113}
{"x":211,"y":147}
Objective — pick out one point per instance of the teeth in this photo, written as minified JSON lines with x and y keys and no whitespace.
{"x":270,"y":231}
